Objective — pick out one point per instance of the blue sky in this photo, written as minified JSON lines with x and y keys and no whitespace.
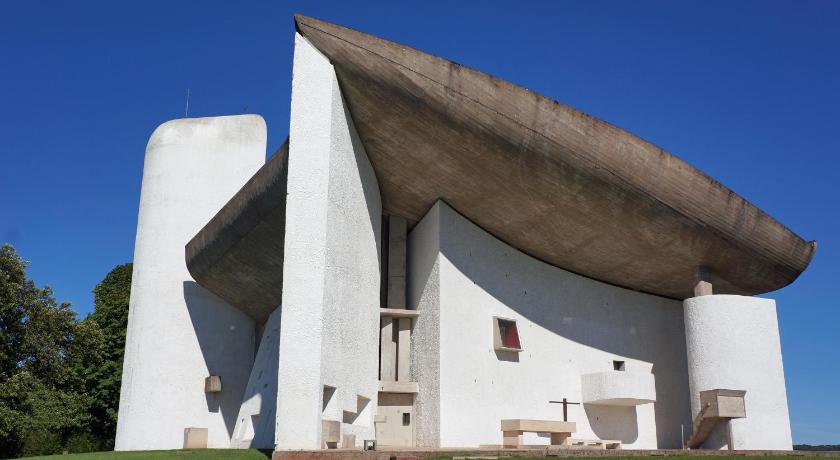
{"x":748,"y":92}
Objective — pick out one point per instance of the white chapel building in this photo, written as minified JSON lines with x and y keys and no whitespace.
{"x":437,"y":258}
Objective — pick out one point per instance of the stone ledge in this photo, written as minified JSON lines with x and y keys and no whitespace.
{"x":420,"y":453}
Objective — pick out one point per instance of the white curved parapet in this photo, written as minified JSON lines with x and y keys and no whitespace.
{"x":618,"y":388}
{"x":733,"y":342}
{"x":178,"y":333}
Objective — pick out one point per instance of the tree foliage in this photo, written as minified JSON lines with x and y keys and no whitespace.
{"x":59,"y":376}
{"x":104,"y":376}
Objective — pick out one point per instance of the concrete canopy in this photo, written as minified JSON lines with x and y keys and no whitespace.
{"x":238,"y":255}
{"x":558,"y":184}
{"x":551,"y":181}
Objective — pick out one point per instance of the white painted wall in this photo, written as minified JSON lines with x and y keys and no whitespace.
{"x":460,"y":277}
{"x":257,"y":417}
{"x":331,"y":276}
{"x":733,"y":343}
{"x":179,"y":333}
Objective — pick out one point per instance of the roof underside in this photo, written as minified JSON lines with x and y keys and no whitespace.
{"x":553,"y":182}
{"x":238,"y":255}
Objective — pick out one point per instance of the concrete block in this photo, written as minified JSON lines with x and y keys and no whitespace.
{"x":618,"y":388}
{"x":348,"y":441}
{"x":511,"y":439}
{"x":387,"y":350}
{"x":538,"y":426}
{"x":724,"y":403}
{"x":195,"y":438}
{"x":398,"y":387}
{"x":213,"y":384}
{"x":330,"y":434}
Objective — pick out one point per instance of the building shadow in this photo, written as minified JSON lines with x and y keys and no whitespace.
{"x":225,"y":336}
{"x":618,"y":423}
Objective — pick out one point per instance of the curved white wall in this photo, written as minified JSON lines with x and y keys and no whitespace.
{"x":460,"y":277}
{"x":733,"y":343}
{"x":179,"y":333}
{"x":330,"y":329}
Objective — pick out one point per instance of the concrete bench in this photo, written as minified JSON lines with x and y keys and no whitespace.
{"x":600,"y":444}
{"x":512,"y":430}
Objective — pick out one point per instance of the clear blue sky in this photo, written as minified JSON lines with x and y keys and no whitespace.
{"x":749,"y":92}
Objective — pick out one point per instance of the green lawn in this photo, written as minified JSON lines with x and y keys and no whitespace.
{"x":190,"y":454}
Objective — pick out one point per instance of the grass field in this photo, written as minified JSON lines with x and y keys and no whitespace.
{"x":190,"y":454}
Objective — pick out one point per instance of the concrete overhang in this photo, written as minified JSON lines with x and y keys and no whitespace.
{"x":558,"y":184}
{"x":618,"y":388}
{"x":551,"y":181}
{"x":238,"y":255}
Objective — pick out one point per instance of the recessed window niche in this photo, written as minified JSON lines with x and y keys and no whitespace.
{"x":506,"y":335}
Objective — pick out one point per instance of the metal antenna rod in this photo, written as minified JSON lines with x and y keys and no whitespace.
{"x":187,"y":108}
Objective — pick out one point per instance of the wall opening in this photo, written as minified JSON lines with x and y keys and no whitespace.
{"x":506,"y":335}
{"x":618,"y":365}
{"x":329,"y":391}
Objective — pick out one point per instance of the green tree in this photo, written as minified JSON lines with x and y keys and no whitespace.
{"x":42,"y":397}
{"x":16,"y":291}
{"x":104,"y":376}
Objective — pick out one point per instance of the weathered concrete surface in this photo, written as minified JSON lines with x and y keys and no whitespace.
{"x":238,"y":255}
{"x":554,"y":182}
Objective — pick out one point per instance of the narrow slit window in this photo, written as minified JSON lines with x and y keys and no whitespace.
{"x":406,"y":418}
{"x":506,"y":335}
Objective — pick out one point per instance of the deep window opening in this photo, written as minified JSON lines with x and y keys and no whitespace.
{"x":509,"y":334}
{"x":618,"y":365}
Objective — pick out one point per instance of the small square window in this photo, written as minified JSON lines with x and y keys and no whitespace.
{"x":618,"y":365}
{"x":506,"y":335}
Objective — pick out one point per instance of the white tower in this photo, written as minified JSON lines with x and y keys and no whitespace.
{"x":179,"y":333}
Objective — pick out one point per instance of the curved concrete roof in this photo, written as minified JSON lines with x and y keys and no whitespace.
{"x":238,"y":255}
{"x":551,"y":181}
{"x":547,"y":179}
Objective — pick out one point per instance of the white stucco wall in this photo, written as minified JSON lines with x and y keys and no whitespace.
{"x":423,"y":294}
{"x":460,"y":277}
{"x":257,"y":417}
{"x":331,"y":276}
{"x":733,"y":343}
{"x":179,"y":333}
